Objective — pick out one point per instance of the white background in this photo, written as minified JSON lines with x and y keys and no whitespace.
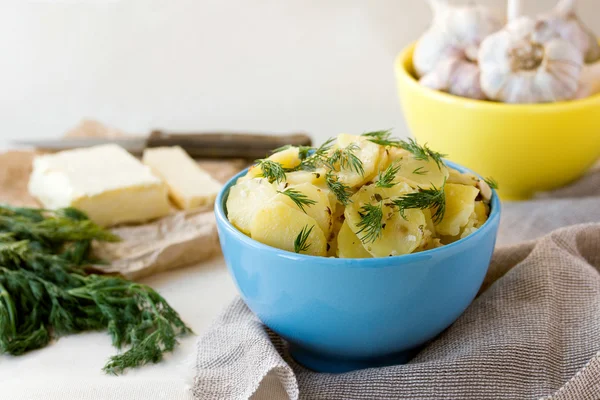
{"x":320,"y":66}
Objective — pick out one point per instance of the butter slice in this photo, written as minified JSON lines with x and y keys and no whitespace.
{"x":106,"y":182}
{"x":189,"y":185}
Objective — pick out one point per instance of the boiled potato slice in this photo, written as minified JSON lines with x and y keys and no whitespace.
{"x":245,"y":199}
{"x":332,"y":240}
{"x":349,"y":246}
{"x":316,"y":177}
{"x":367,"y":152}
{"x":455,"y":176}
{"x":476,"y":219}
{"x":482,"y":211}
{"x":399,"y":235}
{"x":421,"y":173}
{"x":460,"y":204}
{"x":288,"y":158}
{"x":382,"y":164}
{"x":429,"y":225}
{"x":278,"y":225}
{"x":321,"y":211}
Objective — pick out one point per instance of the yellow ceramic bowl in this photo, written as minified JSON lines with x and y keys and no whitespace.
{"x":526,"y":148}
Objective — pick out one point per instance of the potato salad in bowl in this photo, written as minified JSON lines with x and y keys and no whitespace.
{"x":358,"y":196}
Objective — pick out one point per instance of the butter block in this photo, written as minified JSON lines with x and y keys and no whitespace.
{"x":189,"y":185}
{"x":105,"y":181}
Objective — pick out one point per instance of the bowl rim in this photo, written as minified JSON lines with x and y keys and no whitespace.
{"x":223,"y":221}
{"x":402,"y":74}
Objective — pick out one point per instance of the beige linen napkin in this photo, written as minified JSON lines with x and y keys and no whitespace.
{"x":533,"y":332}
{"x":180,"y":239}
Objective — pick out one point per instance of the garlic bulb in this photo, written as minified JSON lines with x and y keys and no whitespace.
{"x":456,"y":31}
{"x":526,"y":62}
{"x":456,"y":75}
{"x":564,"y":21}
{"x":589,"y":83}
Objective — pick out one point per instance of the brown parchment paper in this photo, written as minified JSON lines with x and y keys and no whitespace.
{"x":180,"y":239}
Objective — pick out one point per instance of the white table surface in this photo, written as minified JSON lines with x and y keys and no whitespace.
{"x":71,"y":368}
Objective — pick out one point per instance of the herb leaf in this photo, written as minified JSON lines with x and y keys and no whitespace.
{"x":300,"y":244}
{"x":299,"y":198}
{"x":419,"y":171}
{"x":492,"y":183}
{"x":433,"y":198}
{"x":272,"y":170}
{"x":346,"y":159}
{"x":315,"y":157}
{"x":341,"y":191}
{"x":385,"y":179}
{"x":382,"y":138}
{"x":422,"y":152}
{"x":371,"y":216}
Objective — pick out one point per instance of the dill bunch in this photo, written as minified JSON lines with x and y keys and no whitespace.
{"x":47,"y":290}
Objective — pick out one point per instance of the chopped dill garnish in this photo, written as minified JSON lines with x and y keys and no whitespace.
{"x":299,"y":198}
{"x":423,"y":152}
{"x":419,"y":171}
{"x":385,"y":179}
{"x":300,"y":244}
{"x":382,"y":138}
{"x":433,"y":198}
{"x":341,"y":191}
{"x":315,"y":157}
{"x":492,"y":183}
{"x":272,"y":170}
{"x":370,"y":225}
{"x":346,"y":159}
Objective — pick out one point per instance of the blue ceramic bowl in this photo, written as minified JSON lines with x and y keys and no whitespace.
{"x":345,"y":314}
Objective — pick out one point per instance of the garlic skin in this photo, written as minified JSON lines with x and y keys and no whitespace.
{"x":526,"y":62}
{"x":564,"y":21}
{"x":455,"y":31}
{"x":455,"y":75}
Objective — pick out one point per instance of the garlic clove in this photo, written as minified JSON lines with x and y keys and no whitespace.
{"x":589,"y":82}
{"x":455,"y":75}
{"x":563,"y":20}
{"x":527,"y":63}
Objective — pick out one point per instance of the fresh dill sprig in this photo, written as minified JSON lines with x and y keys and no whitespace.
{"x":46,"y":290}
{"x":432,"y":198}
{"x":300,"y":244}
{"x":299,"y":198}
{"x":492,"y":183}
{"x":315,"y":157}
{"x":382,"y":135}
{"x":346,"y":159}
{"x":272,"y":170}
{"x":341,"y":191}
{"x":385,"y":179}
{"x":383,"y":138}
{"x":370,"y":225}
{"x":420,"y":171}
{"x":423,"y":152}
